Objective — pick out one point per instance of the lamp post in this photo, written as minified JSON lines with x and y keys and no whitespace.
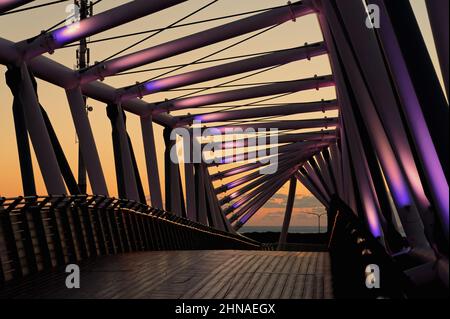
{"x":318,"y":215}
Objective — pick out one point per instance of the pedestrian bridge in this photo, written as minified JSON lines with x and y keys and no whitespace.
{"x":126,"y":249}
{"x":206,"y":274}
{"x":366,"y":133}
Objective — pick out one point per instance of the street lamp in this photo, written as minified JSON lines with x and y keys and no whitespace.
{"x":318,"y":215}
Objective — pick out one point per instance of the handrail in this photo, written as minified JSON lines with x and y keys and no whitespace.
{"x":39,"y":233}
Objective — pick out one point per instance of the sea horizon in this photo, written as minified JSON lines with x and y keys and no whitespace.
{"x":277,"y":229}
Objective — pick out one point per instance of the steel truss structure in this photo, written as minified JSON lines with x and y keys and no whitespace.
{"x":385,"y":156}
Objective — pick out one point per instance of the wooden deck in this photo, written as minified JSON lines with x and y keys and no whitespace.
{"x":191,"y":275}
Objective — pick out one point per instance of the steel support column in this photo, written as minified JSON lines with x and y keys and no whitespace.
{"x":125,"y":173}
{"x":151,"y":162}
{"x":39,"y":135}
{"x":172,"y":177}
{"x":87,"y":143}
{"x":439,"y":20}
{"x":287,"y":215}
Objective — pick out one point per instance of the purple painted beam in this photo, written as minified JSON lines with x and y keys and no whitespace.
{"x":263,"y":152}
{"x":258,"y":203}
{"x":288,"y":109}
{"x":6,"y":5}
{"x":243,"y":94}
{"x":285,"y":138}
{"x":60,"y":75}
{"x":221,"y":71}
{"x":293,"y":148}
{"x":438,"y":12}
{"x":279,"y":125}
{"x":98,"y":23}
{"x":195,"y":41}
{"x":257,"y":183}
{"x":261,"y":187}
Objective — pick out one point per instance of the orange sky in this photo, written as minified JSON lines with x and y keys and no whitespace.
{"x":21,"y":26}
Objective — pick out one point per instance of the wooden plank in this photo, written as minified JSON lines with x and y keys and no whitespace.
{"x":308,"y":291}
{"x":244,"y":281}
{"x":290,"y":281}
{"x":214,"y":280}
{"x":240,"y":278}
{"x":228,"y":264}
{"x":191,"y":275}
{"x":270,"y":285}
{"x":300,"y":279}
{"x":255,"y":293}
{"x":280,"y":283}
{"x":327,"y":282}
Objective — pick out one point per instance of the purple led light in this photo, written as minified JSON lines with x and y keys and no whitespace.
{"x":65,"y":35}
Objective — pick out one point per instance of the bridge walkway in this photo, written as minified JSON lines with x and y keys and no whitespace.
{"x":197,"y":274}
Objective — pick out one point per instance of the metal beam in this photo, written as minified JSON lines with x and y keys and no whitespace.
{"x":280,"y":125}
{"x":48,"y":42}
{"x":310,"y":187}
{"x":221,"y":71}
{"x":262,"y":153}
{"x":39,"y":135}
{"x":151,"y":162}
{"x":195,"y":41}
{"x":88,"y":147}
{"x":6,"y":5}
{"x":438,"y":11}
{"x":243,"y":94}
{"x":248,"y":113}
{"x":258,"y":203}
{"x":263,"y":139}
{"x":287,"y":215}
{"x":411,"y":105}
{"x":60,"y":75}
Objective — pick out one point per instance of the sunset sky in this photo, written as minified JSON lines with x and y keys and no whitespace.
{"x":21,"y":26}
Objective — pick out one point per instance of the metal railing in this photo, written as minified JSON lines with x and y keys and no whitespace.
{"x":41,"y":233}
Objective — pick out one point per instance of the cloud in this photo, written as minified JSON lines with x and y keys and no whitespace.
{"x":280,"y":200}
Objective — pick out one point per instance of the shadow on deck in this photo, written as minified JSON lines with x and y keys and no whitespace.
{"x":219,"y":274}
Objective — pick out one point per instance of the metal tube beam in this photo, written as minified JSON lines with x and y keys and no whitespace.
{"x":385,"y":101}
{"x":288,"y":109}
{"x":221,"y":71}
{"x":39,"y":135}
{"x":280,"y":125}
{"x":172,"y":177}
{"x":412,"y":109}
{"x":250,"y":155}
{"x":281,"y":139}
{"x":257,"y":186}
{"x":130,"y":182}
{"x":6,"y":5}
{"x":48,"y":42}
{"x":88,"y":147}
{"x":302,"y":179}
{"x":60,"y":75}
{"x":195,"y":41}
{"x":258,"y":203}
{"x":439,"y":20}
{"x":191,"y":205}
{"x":324,"y":170}
{"x":281,"y":166}
{"x":391,"y":168}
{"x":323,"y":136}
{"x":151,"y":162}
{"x":251,"y":166}
{"x":243,"y":94}
{"x":287,"y":215}
{"x":202,"y":216}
